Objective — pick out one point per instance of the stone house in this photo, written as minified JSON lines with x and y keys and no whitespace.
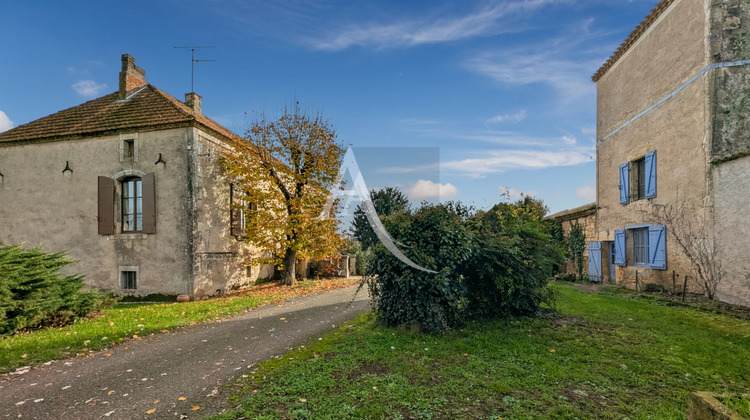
{"x":583,"y":216}
{"x":673,"y":132}
{"x":131,"y":186}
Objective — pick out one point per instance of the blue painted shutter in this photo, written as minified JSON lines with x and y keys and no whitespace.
{"x":625,"y":183}
{"x":650,"y":165}
{"x":595,"y":261}
{"x":657,"y":247}
{"x":620,"y":247}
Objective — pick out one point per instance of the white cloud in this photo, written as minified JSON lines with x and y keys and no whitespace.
{"x":495,"y":161}
{"x":569,"y":140}
{"x":587,"y":193}
{"x":496,"y":17}
{"x":513,"y":194}
{"x":88,"y":88}
{"x":511,"y":118}
{"x":5,"y":122}
{"x":426,"y":189}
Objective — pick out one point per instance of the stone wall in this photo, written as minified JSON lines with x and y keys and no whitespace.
{"x":42,"y":205}
{"x":667,"y":55}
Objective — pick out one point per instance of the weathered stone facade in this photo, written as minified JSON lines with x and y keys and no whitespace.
{"x":677,"y":95}
{"x":49,"y":192}
{"x":583,"y":216}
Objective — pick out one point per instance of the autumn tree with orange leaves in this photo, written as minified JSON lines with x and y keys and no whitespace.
{"x":286,"y":169}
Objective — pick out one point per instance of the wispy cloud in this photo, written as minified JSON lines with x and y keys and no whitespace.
{"x":406,"y":169}
{"x":5,"y":122}
{"x":425,"y":189}
{"x":587,"y":193}
{"x":563,"y":62}
{"x":88,"y":88}
{"x":569,"y":139}
{"x":495,"y":161}
{"x":508,"y":118}
{"x":493,"y":18}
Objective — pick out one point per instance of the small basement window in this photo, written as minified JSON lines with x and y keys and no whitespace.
{"x":248,"y":271}
{"x":129,"y":280}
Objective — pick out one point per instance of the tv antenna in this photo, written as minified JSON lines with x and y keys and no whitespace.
{"x":193,"y":60}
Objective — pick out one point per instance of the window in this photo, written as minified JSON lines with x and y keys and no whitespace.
{"x":641,"y":174}
{"x":129,"y":149}
{"x":248,"y":271}
{"x":136,"y":193}
{"x":129,"y":280}
{"x":239,"y":208}
{"x":132,"y":205}
{"x":640,"y":246}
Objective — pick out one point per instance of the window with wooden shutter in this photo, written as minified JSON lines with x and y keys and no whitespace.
{"x":236,"y":217}
{"x":650,"y":174}
{"x":657,"y":243}
{"x":620,"y":247}
{"x":106,"y":206}
{"x":625,"y":183}
{"x":149,"y":203}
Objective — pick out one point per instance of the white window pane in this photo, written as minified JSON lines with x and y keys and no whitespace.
{"x":138,"y":188}
{"x":138,"y":205}
{"x":139,"y":225}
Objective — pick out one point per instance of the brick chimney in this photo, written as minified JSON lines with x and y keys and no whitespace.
{"x":131,"y":75}
{"x":193,"y":100}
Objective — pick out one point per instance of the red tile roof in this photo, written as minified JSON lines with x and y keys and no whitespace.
{"x":146,"y":107}
{"x":633,"y":37}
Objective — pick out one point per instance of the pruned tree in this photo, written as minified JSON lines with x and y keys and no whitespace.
{"x":693,"y":238}
{"x":286,"y":169}
{"x":387,"y":201}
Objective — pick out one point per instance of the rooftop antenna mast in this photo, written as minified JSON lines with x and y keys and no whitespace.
{"x":193,"y":60}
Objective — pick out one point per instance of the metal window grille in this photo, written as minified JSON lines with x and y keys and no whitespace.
{"x":129,"y":280}
{"x":640,"y":246}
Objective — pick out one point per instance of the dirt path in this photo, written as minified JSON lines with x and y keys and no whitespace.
{"x":157,"y":373}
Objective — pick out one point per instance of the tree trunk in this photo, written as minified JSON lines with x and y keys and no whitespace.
{"x":290,"y":261}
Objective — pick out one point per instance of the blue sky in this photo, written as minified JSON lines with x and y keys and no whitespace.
{"x":498,"y":91}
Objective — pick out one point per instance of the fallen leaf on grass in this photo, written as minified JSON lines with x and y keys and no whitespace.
{"x":151,"y":411}
{"x":551,"y":350}
{"x":110,"y":392}
{"x":196,"y":408}
{"x":181,"y":399}
{"x":157,"y":401}
{"x":108,"y":354}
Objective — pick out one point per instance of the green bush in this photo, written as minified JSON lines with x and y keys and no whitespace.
{"x":34,"y":294}
{"x":434,"y":237}
{"x":491,"y":264}
{"x":513,"y":260}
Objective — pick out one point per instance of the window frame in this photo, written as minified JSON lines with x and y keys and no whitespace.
{"x":137,"y":183}
{"x":640,"y":246}
{"x":639,"y":178}
{"x":127,"y":277}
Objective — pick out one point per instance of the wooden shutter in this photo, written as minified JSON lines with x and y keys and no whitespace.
{"x":235,"y":213}
{"x":650,"y":166}
{"x":657,"y":247}
{"x":595,"y":261}
{"x":625,"y":183}
{"x":620,"y":247}
{"x":106,"y":204}
{"x":149,"y":203}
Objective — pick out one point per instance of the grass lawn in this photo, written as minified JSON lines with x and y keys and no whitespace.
{"x":131,"y":321}
{"x":603,"y":356}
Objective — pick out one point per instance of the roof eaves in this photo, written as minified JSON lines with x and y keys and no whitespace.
{"x":632,"y":38}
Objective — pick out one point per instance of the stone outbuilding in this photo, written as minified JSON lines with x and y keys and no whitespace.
{"x":131,"y":186}
{"x":673,"y":134}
